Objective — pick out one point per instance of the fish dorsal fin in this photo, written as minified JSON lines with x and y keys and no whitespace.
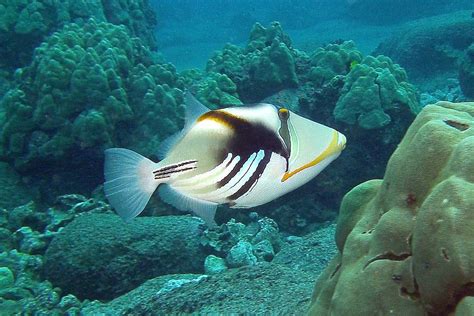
{"x":194,"y":109}
{"x":204,"y":209}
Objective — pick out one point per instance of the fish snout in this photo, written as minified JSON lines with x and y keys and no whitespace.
{"x":341,"y":142}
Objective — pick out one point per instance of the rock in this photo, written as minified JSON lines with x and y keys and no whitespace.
{"x":98,"y":256}
{"x":214,"y":265}
{"x":6,"y":278}
{"x":262,"y":234}
{"x":137,"y":301}
{"x":431,"y":47}
{"x":405,"y":241}
{"x":260,"y":289}
{"x":241,"y":255}
{"x":311,"y":252}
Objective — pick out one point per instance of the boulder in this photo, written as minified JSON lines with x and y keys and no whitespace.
{"x":99,"y":256}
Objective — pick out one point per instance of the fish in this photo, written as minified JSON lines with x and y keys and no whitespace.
{"x":241,"y":156}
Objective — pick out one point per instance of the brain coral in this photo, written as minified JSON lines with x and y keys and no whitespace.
{"x":84,"y":82}
{"x":406,"y":242}
{"x":372,"y":90}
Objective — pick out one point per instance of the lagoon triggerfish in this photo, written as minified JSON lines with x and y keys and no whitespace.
{"x":240,"y":156}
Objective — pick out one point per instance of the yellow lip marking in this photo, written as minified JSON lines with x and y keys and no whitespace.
{"x":331,"y":149}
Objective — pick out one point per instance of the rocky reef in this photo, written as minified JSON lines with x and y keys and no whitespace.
{"x":431,"y":47}
{"x":404,"y":240}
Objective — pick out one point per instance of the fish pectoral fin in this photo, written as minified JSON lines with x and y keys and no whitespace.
{"x":204,"y":209}
{"x":165,"y":172}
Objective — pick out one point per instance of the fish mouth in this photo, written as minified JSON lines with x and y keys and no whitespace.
{"x":337,"y":144}
{"x":342,"y":141}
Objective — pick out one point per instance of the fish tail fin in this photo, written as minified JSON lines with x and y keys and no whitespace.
{"x":129,"y":181}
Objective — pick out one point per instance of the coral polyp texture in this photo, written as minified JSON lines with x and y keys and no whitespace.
{"x":406,"y":242}
{"x":265,"y":66}
{"x":84,"y":82}
{"x":372,"y":90}
{"x":24,"y":24}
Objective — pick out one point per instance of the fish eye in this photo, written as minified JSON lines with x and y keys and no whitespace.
{"x":283,"y":114}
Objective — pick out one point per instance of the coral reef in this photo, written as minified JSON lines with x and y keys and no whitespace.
{"x":266,"y":65}
{"x":404,"y":241}
{"x":88,"y":88}
{"x":372,"y":89}
{"x":466,"y":72}
{"x":213,"y":89}
{"x":98,"y":256}
{"x":331,"y":60}
{"x":431,"y":47}
{"x":25,"y":24}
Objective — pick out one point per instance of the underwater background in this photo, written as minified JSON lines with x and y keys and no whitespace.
{"x":386,"y":229}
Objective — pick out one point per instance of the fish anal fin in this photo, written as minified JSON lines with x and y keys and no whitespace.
{"x":204,"y":209}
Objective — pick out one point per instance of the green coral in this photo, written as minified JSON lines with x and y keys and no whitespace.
{"x":83,"y":82}
{"x":372,"y":90}
{"x":24,"y":24}
{"x":266,"y":65}
{"x":212,"y":89}
{"x":466,"y":73}
{"x":332,"y":60}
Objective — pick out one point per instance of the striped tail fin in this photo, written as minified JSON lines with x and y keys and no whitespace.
{"x":131,"y":179}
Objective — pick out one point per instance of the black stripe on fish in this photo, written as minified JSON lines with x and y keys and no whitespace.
{"x":248,"y":137}
{"x":245,"y":171}
{"x":169,"y":174}
{"x":253,"y":179}
{"x":232,"y":173}
{"x":173,"y":166}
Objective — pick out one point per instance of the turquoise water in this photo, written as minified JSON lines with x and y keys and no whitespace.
{"x":379,"y":231}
